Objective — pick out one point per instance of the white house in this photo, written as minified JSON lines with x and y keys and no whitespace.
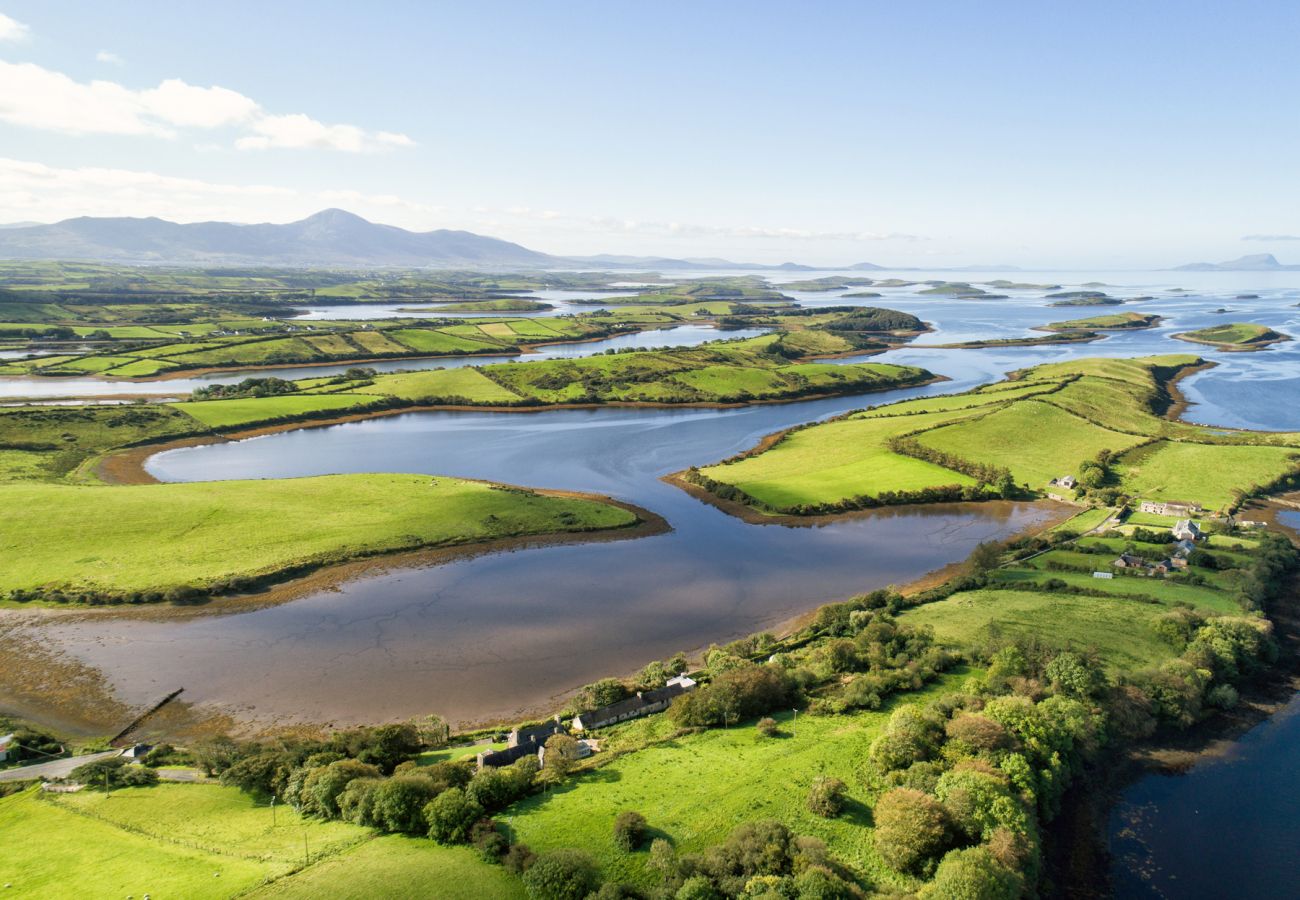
{"x":7,"y":745}
{"x":1186,"y":530}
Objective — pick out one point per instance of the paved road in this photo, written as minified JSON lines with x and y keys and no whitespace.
{"x":56,"y":769}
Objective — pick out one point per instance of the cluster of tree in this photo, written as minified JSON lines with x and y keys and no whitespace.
{"x":891,"y":657}
{"x":747,"y":690}
{"x":113,"y":772}
{"x":874,"y":318}
{"x":249,"y":387}
{"x":760,"y":860}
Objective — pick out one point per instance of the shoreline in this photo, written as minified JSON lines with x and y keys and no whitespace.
{"x":126,"y":466}
{"x":1251,"y":347}
{"x":282,"y":588}
{"x":1080,"y":854}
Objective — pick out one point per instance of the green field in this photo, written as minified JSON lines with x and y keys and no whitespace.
{"x":696,"y":788}
{"x":1235,"y":336}
{"x":1180,"y":471}
{"x":229,"y":413}
{"x":825,"y":464}
{"x":1115,"y":321}
{"x":153,"y":537}
{"x":1117,"y":628}
{"x":208,"y":841}
{"x":1044,"y":423}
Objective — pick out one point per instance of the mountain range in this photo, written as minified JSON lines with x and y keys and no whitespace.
{"x":332,"y":237}
{"x":1255,"y":262}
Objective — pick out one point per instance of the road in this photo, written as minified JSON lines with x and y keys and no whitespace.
{"x":55,"y":769}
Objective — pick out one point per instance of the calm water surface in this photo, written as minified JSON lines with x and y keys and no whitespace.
{"x":479,"y":637}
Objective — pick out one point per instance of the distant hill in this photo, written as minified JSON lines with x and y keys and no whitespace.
{"x":1254,"y":262}
{"x":331,"y":237}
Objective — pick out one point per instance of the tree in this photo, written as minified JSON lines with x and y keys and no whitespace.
{"x":605,"y":692}
{"x":399,"y":803}
{"x":986,"y":556}
{"x":911,"y":829}
{"x":562,"y":875}
{"x":451,"y":816}
{"x":357,"y":802}
{"x":518,"y":859}
{"x":629,"y":830}
{"x":1073,"y":676}
{"x":433,"y":731}
{"x":972,"y":874}
{"x":561,"y":754}
{"x":323,"y":785}
{"x":113,"y":772}
{"x":826,"y":799}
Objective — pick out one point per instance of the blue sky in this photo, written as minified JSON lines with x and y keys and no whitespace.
{"x":926,"y":133}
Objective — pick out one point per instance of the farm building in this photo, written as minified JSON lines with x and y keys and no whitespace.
{"x":535,"y":734}
{"x":7,"y":746}
{"x":1169,"y":507}
{"x":495,"y":759}
{"x":642,"y":704}
{"x":585,"y":749}
{"x":1186,"y":530}
{"x":1129,"y":561}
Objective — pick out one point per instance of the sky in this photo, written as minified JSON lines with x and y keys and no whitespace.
{"x":1099,"y":135}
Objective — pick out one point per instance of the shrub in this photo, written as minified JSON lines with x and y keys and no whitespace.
{"x":357,"y":802}
{"x":490,"y":843}
{"x":911,"y":830}
{"x":518,"y":859}
{"x":324,"y":785}
{"x":561,"y":875}
{"x":451,"y":816}
{"x":113,"y":772}
{"x":972,"y":874}
{"x":399,"y":803}
{"x":629,"y":830}
{"x":767,"y":727}
{"x":1222,"y":696}
{"x":826,"y":799}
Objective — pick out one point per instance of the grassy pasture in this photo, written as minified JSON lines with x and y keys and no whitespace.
{"x":1113,"y":321}
{"x":1165,"y":591}
{"x":1117,"y":628}
{"x":1234,"y":335}
{"x":837,"y":460}
{"x":248,"y":410}
{"x":468,"y":383}
{"x":696,"y":788}
{"x":210,"y":531}
{"x":1037,"y":441}
{"x":1203,"y":473}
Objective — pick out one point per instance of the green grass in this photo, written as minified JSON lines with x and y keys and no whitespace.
{"x":1240,"y":335}
{"x":1085,"y":521}
{"x":397,"y":866}
{"x":441,"y":384}
{"x":1203,"y":473}
{"x":1105,"y":322}
{"x":1118,"y":629}
{"x":210,"y":841}
{"x":841,"y":459}
{"x":247,"y":410}
{"x":1163,"y":590}
{"x":1037,"y":441}
{"x":154,"y":536}
{"x":52,"y":851}
{"x":696,"y":788}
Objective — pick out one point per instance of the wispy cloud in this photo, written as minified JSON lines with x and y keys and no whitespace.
{"x":36,"y":97}
{"x":613,"y":224}
{"x":1272,"y":237}
{"x":36,"y":191}
{"x":12,"y":30}
{"x":108,"y":56}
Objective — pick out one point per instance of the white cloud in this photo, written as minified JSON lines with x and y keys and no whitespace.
{"x":36,"y":97}
{"x":1272,"y":237}
{"x":298,"y":131}
{"x":107,"y":56}
{"x":35,"y":191}
{"x":11,"y":30}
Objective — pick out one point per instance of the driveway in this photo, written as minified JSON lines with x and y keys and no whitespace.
{"x":58,"y":768}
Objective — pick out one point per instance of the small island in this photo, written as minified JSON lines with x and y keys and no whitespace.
{"x":1114,"y":322}
{"x":1235,"y":336}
